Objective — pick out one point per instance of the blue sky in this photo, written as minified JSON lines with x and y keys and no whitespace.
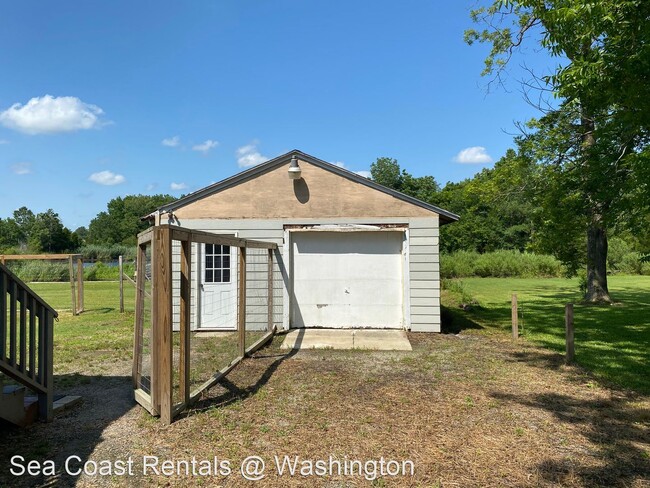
{"x":103,"y":99}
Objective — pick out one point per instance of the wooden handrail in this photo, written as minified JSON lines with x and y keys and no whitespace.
{"x":27,"y":339}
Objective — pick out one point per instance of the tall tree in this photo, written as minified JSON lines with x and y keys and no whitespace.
{"x":48,"y":234}
{"x":387,"y":172}
{"x":121,"y":223}
{"x":589,"y":139}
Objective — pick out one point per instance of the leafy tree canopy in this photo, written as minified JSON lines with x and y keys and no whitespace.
{"x":593,"y":141}
{"x":120,"y":223}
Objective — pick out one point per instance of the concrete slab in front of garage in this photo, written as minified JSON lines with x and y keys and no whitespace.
{"x":372,"y":339}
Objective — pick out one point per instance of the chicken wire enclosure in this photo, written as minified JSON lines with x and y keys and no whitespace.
{"x":196,"y":279}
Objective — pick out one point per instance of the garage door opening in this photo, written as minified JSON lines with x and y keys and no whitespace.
{"x":347,"y":279}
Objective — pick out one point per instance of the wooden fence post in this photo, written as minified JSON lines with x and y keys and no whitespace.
{"x":162,"y":322}
{"x":80,"y":284}
{"x":241,"y":316}
{"x":270,"y":290}
{"x":185,"y":318}
{"x":72,"y":291}
{"x":121,"y":280}
{"x":139,"y":314}
{"x":515,"y":318}
{"x":568,"y":323}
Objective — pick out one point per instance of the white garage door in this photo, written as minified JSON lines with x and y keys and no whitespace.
{"x":347,"y":279}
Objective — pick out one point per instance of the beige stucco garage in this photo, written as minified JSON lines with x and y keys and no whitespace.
{"x":351,"y":253}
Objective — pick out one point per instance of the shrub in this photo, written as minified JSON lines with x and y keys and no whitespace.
{"x":102,"y":272}
{"x":41,"y":271}
{"x":499,"y":264}
{"x":96,"y":252}
{"x":459,"y":264}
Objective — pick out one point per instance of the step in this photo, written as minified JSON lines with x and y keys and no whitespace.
{"x":13,"y":409}
{"x":13,"y":390}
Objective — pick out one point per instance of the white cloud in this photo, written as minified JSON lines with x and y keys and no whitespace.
{"x":171,"y":141}
{"x":365,"y":174}
{"x":248,"y":156}
{"x":21,"y":168}
{"x":107,"y":178}
{"x":48,"y":114}
{"x":473,"y":155}
{"x":204,"y":147}
{"x":178,"y":186}
{"x":3,"y":141}
{"x":340,"y":164}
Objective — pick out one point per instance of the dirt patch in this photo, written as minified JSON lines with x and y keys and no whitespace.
{"x":467,"y":410}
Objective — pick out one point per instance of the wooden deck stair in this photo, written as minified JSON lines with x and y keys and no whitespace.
{"x":26,"y":346}
{"x":16,"y":408}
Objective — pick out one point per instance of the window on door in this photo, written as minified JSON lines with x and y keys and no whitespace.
{"x":217,"y":263}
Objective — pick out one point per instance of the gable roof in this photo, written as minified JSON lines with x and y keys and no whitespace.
{"x":445,"y":216}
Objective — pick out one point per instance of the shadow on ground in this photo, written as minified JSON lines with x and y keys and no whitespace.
{"x":624,"y":328}
{"x":455,"y":321}
{"x":236,"y":393}
{"x":76,"y":432}
{"x":615,"y":426}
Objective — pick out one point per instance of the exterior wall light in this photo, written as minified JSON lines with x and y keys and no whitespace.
{"x":294,"y":169}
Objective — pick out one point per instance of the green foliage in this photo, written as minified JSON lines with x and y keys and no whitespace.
{"x":48,"y":271}
{"x":623,"y":259}
{"x":102,"y":272}
{"x":96,"y":252}
{"x":590,"y":144}
{"x":387,"y":172}
{"x":39,"y":233}
{"x":121,"y":223}
{"x":495,"y":207}
{"x":29,"y":271}
{"x":499,"y":264}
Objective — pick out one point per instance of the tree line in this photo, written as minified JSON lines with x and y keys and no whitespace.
{"x":119,"y":224}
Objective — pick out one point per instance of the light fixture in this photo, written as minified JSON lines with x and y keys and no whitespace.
{"x":294,"y":169}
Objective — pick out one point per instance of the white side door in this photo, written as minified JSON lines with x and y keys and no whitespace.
{"x":218,"y":287}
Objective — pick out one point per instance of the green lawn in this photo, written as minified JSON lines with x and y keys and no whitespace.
{"x":612,"y":341}
{"x":96,"y":337}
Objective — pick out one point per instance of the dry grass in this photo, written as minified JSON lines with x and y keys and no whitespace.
{"x":468,"y":410}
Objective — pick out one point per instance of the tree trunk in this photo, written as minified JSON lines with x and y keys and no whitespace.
{"x":597,"y":291}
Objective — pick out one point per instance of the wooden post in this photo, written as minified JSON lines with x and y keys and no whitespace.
{"x":80,"y":284}
{"x":515,"y":318}
{"x":568,"y":323}
{"x":121,"y":281}
{"x":139,"y":314}
{"x":46,"y":364}
{"x":186,"y":270}
{"x":74,"y":298}
{"x":270,"y":290}
{"x":241,"y":315}
{"x":162,"y":323}
{"x":3,"y":313}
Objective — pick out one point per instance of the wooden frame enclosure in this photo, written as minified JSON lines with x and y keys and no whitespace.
{"x":76,"y":278}
{"x":155,"y":391}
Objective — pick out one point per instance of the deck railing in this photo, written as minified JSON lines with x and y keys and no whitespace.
{"x":27,"y":339}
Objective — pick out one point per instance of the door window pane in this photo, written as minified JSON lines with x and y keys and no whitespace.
{"x":217,"y":263}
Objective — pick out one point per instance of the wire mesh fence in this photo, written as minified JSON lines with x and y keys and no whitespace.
{"x":211,"y":301}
